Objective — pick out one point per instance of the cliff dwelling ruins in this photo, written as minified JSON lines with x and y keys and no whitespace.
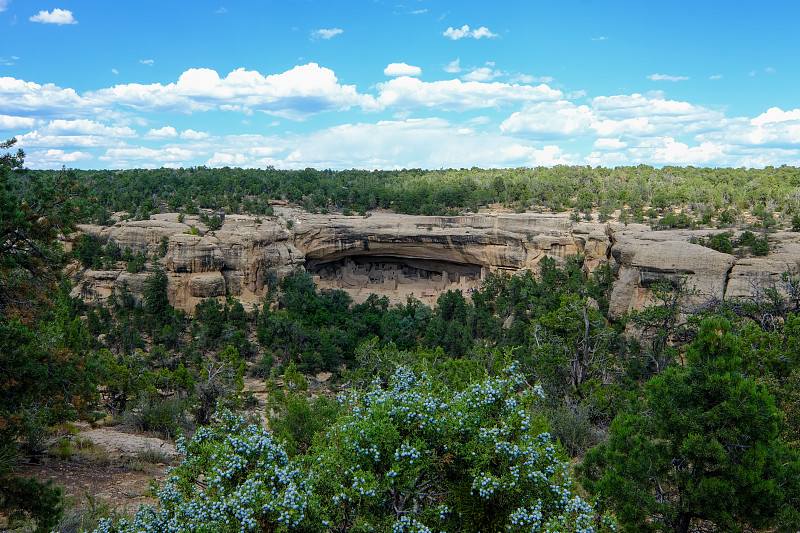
{"x":397,"y":278}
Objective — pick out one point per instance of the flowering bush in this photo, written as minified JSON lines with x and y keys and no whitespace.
{"x":409,"y":457}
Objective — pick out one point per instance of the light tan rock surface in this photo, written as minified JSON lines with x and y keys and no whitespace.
{"x":142,"y":235}
{"x":644,"y":263}
{"x":117,"y":442}
{"x":495,"y":241}
{"x":421,"y":256}
{"x":751,"y":276}
{"x":232,"y":260}
{"x":193,"y":254}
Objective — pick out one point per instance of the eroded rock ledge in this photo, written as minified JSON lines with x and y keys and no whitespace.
{"x":404,"y":255}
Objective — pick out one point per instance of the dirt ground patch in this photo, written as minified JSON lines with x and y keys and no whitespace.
{"x":108,"y":466}
{"x":120,"y":485}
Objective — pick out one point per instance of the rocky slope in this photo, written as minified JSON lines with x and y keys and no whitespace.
{"x":402,"y":255}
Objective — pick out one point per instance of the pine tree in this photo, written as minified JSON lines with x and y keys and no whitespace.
{"x":704,"y":447}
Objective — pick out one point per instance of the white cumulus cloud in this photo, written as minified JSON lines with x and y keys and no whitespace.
{"x":12,"y":123}
{"x":424,"y":143}
{"x":141,"y":157}
{"x":546,"y":156}
{"x":550,"y":120}
{"x":651,"y":105}
{"x":227,"y":160}
{"x":167,"y":132}
{"x":776,"y":129}
{"x":528,"y":79}
{"x":194,"y":135}
{"x":776,"y":114}
{"x":668,"y":151}
{"x":83,"y":133}
{"x":456,"y":95}
{"x":4,"y":4}
{"x":326,"y":33}
{"x":402,"y":69}
{"x":54,"y":158}
{"x":57,"y":16}
{"x":621,"y":123}
{"x":666,"y":77}
{"x":84,"y":126}
{"x":464,"y":31}
{"x":34,"y":99}
{"x":609,"y":144}
{"x":296,"y":94}
{"x":542,"y":126}
{"x":453,"y":66}
{"x":481,"y":74}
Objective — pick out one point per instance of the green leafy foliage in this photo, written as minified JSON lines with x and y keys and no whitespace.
{"x":33,"y":212}
{"x":46,"y":372}
{"x":705,"y":446}
{"x":720,"y":242}
{"x":220,"y":381}
{"x":213,"y":222}
{"x":663,"y":325}
{"x":318,"y":330}
{"x":298,"y":418}
{"x":452,"y":324}
{"x":409,"y":457}
{"x":672,"y":221}
{"x":760,"y":247}
{"x":722,"y":192}
{"x":573,"y":349}
{"x":28,"y":498}
{"x":156,"y":302}
{"x":136,"y":263}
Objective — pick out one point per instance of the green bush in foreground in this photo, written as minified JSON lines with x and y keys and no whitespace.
{"x":706,"y":449}
{"x":411,"y":457}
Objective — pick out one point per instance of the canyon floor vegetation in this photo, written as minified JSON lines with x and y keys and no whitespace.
{"x":519,"y":406}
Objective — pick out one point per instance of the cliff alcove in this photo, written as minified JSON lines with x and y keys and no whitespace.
{"x":395,"y":277}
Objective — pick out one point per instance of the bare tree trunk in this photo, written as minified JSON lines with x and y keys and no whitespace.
{"x":683,"y":522}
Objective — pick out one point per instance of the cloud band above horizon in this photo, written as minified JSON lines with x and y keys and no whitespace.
{"x":432,"y":124}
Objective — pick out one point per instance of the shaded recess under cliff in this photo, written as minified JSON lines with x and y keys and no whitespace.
{"x":395,"y":277}
{"x":400,"y":256}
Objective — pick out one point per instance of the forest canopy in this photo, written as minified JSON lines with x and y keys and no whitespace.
{"x":721,"y":194}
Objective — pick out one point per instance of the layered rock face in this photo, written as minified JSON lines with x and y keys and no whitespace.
{"x":647,"y":257}
{"x":498,"y":242}
{"x":402,"y":255}
{"x":232,"y":260}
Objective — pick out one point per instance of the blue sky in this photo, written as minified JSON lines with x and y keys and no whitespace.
{"x":400,"y":84}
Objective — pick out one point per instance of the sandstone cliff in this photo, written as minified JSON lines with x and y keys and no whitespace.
{"x":232,"y":260}
{"x":402,"y":255}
